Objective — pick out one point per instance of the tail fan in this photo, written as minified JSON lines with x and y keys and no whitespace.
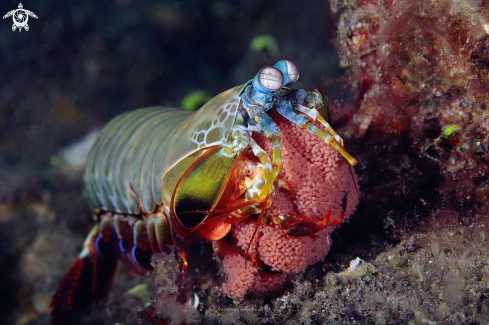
{"x":87,"y":281}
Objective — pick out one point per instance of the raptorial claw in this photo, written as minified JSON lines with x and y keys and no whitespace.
{"x":301,"y":226}
{"x":304,"y":226}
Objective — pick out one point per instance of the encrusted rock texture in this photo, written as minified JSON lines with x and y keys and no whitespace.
{"x":425,"y":66}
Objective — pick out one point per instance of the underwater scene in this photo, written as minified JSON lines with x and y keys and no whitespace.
{"x":244,"y":162}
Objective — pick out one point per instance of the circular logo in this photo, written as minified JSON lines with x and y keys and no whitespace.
{"x":20,"y":18}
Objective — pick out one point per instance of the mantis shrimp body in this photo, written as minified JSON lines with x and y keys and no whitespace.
{"x":160,"y":177}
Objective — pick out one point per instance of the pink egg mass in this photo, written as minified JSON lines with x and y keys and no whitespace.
{"x":319,"y":183}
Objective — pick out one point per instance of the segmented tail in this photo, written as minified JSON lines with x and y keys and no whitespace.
{"x":87,"y":281}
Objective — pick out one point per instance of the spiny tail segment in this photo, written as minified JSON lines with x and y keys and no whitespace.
{"x":87,"y":281}
{"x":116,"y":236}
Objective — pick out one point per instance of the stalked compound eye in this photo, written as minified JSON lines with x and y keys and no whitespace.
{"x":269,"y":79}
{"x":293,"y":70}
{"x":289,"y":69}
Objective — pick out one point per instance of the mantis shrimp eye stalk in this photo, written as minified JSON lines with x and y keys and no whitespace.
{"x":290,"y":70}
{"x":269,"y":79}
